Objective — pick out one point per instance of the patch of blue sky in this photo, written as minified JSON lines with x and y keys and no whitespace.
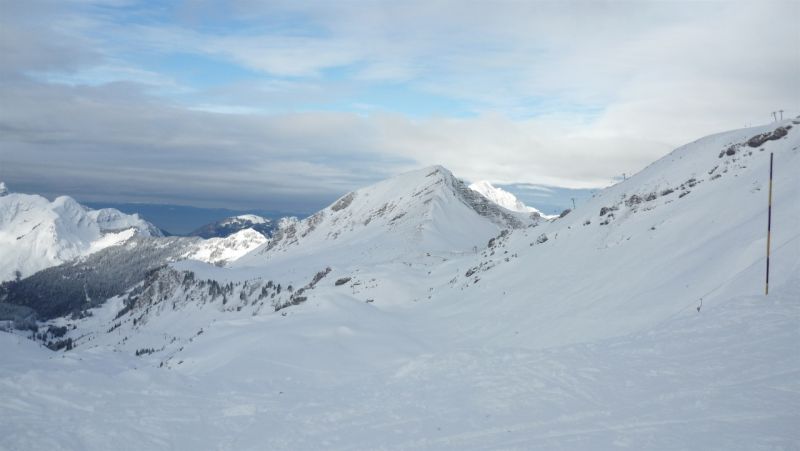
{"x":130,"y":13}
{"x":213,"y":17}
{"x":387,"y":95}
{"x":371,"y":96}
{"x":402,"y":99}
{"x":198,"y":71}
{"x":530,"y":107}
{"x":107,"y":73}
{"x":178,"y":75}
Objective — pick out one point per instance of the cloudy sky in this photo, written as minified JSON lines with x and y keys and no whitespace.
{"x":287,"y":105}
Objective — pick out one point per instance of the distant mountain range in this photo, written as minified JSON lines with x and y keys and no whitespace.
{"x":183,"y":220}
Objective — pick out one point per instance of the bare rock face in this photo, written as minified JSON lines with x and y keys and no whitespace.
{"x":344,"y":202}
{"x":758,"y":140}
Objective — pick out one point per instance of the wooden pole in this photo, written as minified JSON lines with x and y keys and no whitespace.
{"x":769,"y":223}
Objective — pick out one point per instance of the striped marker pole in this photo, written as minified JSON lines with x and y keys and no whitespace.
{"x":769,"y":222}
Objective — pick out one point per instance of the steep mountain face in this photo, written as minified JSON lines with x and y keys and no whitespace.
{"x":420,"y":309}
{"x":36,"y":233}
{"x":234,"y":224}
{"x":501,"y":197}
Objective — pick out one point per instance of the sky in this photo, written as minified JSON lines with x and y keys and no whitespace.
{"x":286,"y":105}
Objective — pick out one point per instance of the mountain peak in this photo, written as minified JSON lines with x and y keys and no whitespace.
{"x":3,"y":189}
{"x":426,"y":209}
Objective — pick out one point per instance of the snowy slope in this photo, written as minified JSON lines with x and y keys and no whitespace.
{"x":501,"y":197}
{"x":690,"y":226}
{"x":356,"y":330}
{"x":36,"y":233}
{"x":354,"y":379}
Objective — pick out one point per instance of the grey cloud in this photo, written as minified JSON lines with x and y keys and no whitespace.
{"x":112,"y":142}
{"x":28,"y":45}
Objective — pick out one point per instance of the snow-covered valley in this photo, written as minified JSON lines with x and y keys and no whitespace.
{"x":416,"y":313}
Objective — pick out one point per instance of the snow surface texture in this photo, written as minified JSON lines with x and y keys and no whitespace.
{"x":453,"y":330}
{"x":501,"y":197}
{"x":36,"y":233}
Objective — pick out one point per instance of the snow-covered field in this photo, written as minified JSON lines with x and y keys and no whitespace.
{"x":406,"y":327}
{"x":727,"y":378}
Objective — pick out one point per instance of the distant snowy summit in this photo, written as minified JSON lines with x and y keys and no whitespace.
{"x":234,"y":224}
{"x":36,"y":233}
{"x":501,"y":197}
{"x":222,"y":250}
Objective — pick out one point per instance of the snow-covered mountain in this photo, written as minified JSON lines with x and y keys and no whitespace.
{"x":86,"y":282}
{"x":36,"y":233}
{"x":424,"y":235}
{"x":416,"y":313}
{"x":220,"y":251}
{"x":501,"y":197}
{"x":423,"y":211}
{"x":234,"y":224}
